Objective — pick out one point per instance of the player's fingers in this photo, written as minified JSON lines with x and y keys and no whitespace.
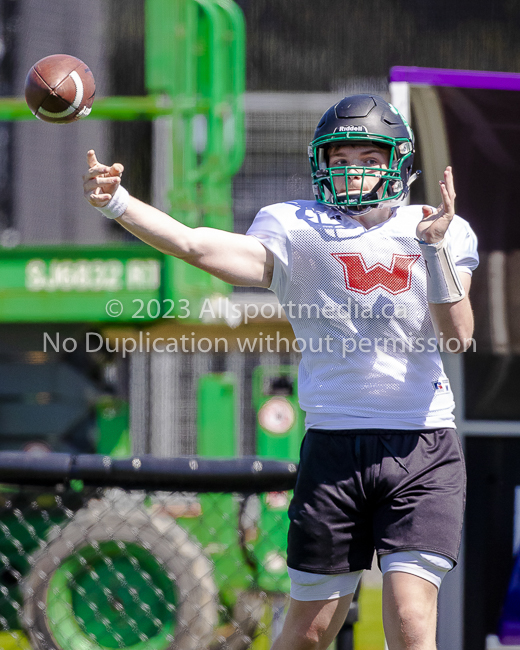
{"x":105,"y":182}
{"x":94,"y":173}
{"x":91,"y":158}
{"x":116,"y":170}
{"x":448,"y":178}
{"x":99,"y":170}
{"x":108,"y":181}
{"x":450,"y":189}
{"x":447,"y":200}
{"x":427,"y":212}
{"x":433,"y":213}
{"x":97,"y":194}
{"x":89,"y":185}
{"x":98,"y":200}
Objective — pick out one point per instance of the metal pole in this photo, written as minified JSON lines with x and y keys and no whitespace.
{"x":345,"y":638}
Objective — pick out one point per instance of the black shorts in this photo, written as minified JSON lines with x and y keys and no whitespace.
{"x":362,"y":490}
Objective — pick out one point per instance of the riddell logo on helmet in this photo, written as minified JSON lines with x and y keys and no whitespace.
{"x":351,"y":127}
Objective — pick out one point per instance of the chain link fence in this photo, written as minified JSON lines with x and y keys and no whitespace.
{"x":142,"y":553}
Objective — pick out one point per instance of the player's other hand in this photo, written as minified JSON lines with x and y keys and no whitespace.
{"x":435,"y":222}
{"x":101,"y":181}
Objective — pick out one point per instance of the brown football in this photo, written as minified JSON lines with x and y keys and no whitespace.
{"x":60,"y":89}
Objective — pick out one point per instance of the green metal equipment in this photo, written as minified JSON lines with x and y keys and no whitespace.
{"x":203,"y":69}
{"x":216,"y":526}
{"x":195,"y":77}
{"x":244,"y":536}
{"x":280,"y":430}
{"x":85,"y":284}
{"x":256,"y":561}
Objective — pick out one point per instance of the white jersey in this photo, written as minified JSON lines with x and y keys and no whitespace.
{"x":356,"y":300}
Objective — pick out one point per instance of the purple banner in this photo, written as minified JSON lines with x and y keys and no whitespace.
{"x":458,"y":78}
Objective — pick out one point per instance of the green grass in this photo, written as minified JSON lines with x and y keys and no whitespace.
{"x":14,"y":640}
{"x":368,"y":631}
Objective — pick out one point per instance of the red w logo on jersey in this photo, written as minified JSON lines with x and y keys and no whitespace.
{"x":396,"y":278}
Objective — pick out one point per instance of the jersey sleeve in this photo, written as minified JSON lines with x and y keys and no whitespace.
{"x":463,"y":245}
{"x":268,"y":229}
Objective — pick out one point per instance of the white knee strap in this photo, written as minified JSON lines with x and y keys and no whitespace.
{"x":318,"y":586}
{"x":430,"y":566}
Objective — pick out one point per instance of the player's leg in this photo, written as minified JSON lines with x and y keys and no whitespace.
{"x":330,"y":541}
{"x":411,"y":581}
{"x":409,"y":612}
{"x":318,"y":607}
{"x":312,"y":625}
{"x":425,"y":474}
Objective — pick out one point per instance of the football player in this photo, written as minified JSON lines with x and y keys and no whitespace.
{"x":381,"y":464}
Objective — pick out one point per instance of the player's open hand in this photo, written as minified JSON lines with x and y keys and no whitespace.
{"x":101,"y":181}
{"x":435,"y":222}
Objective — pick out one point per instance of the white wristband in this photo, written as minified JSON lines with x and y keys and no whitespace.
{"x":117,"y":205}
{"x":442,"y":279}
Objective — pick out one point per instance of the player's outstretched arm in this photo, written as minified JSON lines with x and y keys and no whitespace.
{"x":452,"y":316}
{"x":237,"y":259}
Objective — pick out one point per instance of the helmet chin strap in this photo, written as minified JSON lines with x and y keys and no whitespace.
{"x":359,"y":210}
{"x":353,"y":211}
